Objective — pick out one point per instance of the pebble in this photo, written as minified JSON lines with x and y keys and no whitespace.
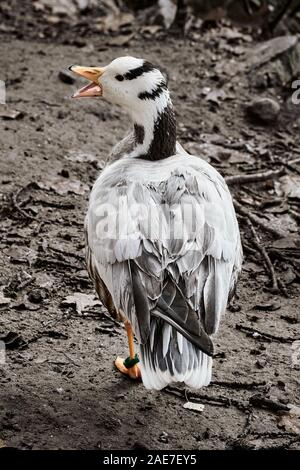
{"x":265,"y":109}
{"x":36,"y":296}
{"x":164,"y":437}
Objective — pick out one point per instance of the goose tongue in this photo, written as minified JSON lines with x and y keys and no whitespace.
{"x":92,"y":89}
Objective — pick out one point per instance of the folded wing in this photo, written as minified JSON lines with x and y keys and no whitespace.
{"x":165,"y":247}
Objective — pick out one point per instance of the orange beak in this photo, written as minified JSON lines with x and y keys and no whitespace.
{"x":92,"y":74}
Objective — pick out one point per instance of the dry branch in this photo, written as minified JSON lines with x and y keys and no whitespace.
{"x":238,"y":385}
{"x":255,"y":177}
{"x":265,"y":336}
{"x":268,"y":404}
{"x":269,"y":266}
{"x":205,"y":398}
{"x":256,"y":220}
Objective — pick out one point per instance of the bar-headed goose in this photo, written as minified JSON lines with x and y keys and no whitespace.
{"x":163,"y":243}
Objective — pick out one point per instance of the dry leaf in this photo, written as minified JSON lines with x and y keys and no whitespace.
{"x":63,"y":186}
{"x":80,"y":301}
{"x":288,"y":186}
{"x":215,"y":96}
{"x":63,"y":7}
{"x":19,"y":254}
{"x":271,"y":307}
{"x":13,"y":340}
{"x":194,"y":406}
{"x":11,"y":114}
{"x":150,"y":29}
{"x":121,"y":40}
{"x":43,"y":280}
{"x":4,"y":300}
{"x":113,"y":23}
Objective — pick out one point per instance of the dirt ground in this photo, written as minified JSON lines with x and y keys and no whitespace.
{"x":59,"y":388}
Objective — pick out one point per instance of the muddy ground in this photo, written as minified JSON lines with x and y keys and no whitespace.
{"x":59,"y":388}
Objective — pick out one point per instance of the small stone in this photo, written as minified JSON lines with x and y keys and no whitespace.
{"x":121,"y":396}
{"x":264,"y":109}
{"x":66,"y":77}
{"x":255,"y":352}
{"x":61,"y":114}
{"x":281,"y":385}
{"x":36,"y":296}
{"x":261,"y":364}
{"x":65,"y":173}
{"x":164,"y":437}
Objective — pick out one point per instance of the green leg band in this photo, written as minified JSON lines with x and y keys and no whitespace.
{"x":131,"y":361}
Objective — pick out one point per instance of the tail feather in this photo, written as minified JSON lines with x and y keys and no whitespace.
{"x":169,"y":357}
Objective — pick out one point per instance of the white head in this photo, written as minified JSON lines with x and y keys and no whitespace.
{"x":128,"y":82}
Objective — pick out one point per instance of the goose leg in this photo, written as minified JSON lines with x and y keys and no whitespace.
{"x":134,"y":371}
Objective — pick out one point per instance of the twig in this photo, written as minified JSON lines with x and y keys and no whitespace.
{"x":70,"y":359}
{"x":26,"y":283}
{"x":291,"y":167}
{"x":40,"y":262}
{"x":248,"y":249}
{"x":295,"y":215}
{"x":106,"y":330}
{"x":289,"y":319}
{"x":67,"y":253}
{"x":266,"y":336}
{"x":211,"y":400}
{"x":255,"y":177}
{"x":274,"y":434}
{"x":247,"y":427}
{"x":283,"y":288}
{"x":268,"y":404}
{"x":256,"y":220}
{"x":47,"y":103}
{"x":57,"y":205}
{"x":238,"y":385}
{"x":243,"y":444}
{"x":257,"y":243}
{"x":55,"y":321}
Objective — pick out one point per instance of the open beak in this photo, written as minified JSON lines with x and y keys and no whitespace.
{"x":92,"y":74}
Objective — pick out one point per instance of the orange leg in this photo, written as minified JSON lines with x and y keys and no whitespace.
{"x":134,"y":371}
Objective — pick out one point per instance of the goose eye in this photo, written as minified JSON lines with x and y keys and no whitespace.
{"x":120,"y":78}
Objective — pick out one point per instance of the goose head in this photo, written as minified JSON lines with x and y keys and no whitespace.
{"x":140,"y":88}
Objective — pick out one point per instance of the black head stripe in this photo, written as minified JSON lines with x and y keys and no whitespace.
{"x":138,"y":71}
{"x":152,"y":95}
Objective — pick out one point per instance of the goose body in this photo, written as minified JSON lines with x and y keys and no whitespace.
{"x":163,"y":243}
